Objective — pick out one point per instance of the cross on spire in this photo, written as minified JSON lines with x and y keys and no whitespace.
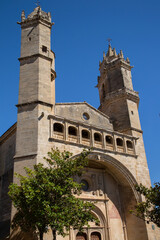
{"x":37,"y":3}
{"x":109,"y":41}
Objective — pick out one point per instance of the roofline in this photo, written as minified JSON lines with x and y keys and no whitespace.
{"x":8,"y":133}
{"x":78,"y":103}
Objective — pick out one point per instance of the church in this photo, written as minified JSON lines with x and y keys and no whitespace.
{"x":117,"y":162}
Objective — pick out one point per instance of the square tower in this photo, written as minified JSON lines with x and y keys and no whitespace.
{"x":118,"y":100}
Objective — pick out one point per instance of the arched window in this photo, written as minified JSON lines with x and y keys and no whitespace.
{"x":85,"y":134}
{"x":72,"y":131}
{"x":97,"y":137}
{"x":95,"y":236}
{"x":119,"y":142}
{"x":129,"y":144}
{"x":109,"y":139}
{"x":81,"y":236}
{"x":58,"y":127}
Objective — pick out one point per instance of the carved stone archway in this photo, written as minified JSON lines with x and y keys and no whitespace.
{"x":132,"y":228}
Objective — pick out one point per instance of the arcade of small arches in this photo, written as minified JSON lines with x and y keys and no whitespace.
{"x":93,"y":137}
{"x":92,"y":236}
{"x":95,"y":231}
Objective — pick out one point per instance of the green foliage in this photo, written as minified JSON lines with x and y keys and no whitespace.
{"x":149,"y":210}
{"x":46,"y":196}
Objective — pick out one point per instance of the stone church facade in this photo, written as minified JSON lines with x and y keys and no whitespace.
{"x":117,"y":161}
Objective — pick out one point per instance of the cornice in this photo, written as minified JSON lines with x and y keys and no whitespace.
{"x":132,"y":129}
{"x":121,"y":93}
{"x":19,"y":157}
{"x":111,"y":65}
{"x":52,"y":139}
{"x":36,"y":20}
{"x":35,"y":55}
{"x":34,"y":102}
{"x":8,"y":133}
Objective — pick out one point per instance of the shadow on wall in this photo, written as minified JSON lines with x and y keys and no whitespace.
{"x":17,"y":234}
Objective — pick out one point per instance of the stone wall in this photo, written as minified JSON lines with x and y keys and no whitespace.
{"x":7,"y":152}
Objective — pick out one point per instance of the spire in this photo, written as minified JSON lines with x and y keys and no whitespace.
{"x":37,"y":3}
{"x":104,"y":56}
{"x":121,"y":54}
{"x":110,"y":51}
{"x":127,"y":60}
{"x":114,"y":52}
{"x":37,"y":14}
{"x":23,"y":16}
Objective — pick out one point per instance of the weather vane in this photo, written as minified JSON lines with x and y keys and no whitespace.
{"x":109,"y":41}
{"x":37,"y":3}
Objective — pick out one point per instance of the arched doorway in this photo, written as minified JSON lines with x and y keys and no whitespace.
{"x":112,"y":186}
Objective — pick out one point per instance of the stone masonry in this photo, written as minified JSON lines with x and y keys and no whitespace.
{"x":117,"y":161}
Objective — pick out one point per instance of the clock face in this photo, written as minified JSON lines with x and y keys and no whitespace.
{"x":85,"y":185}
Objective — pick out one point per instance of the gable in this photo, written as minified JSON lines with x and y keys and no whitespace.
{"x":83,"y":112}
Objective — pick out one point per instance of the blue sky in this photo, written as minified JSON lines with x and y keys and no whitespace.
{"x":79,"y":38}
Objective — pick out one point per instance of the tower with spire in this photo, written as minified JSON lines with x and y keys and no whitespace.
{"x":117,"y":161}
{"x":36,"y":86}
{"x":118,"y":100}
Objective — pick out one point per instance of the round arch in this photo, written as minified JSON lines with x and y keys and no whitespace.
{"x":100,"y":215}
{"x":116,"y":168}
{"x":99,"y":229}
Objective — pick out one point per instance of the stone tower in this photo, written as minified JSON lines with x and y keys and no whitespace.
{"x":36,"y":85}
{"x":117,"y":161}
{"x":117,"y":98}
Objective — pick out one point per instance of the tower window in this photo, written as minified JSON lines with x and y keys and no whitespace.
{"x":85,"y":134}
{"x":129,"y":144}
{"x":103,"y":91}
{"x":29,"y":38}
{"x":44,"y":48}
{"x":58,"y":127}
{"x":97,"y":137}
{"x":72,"y":131}
{"x":119,"y":142}
{"x":109,"y":140}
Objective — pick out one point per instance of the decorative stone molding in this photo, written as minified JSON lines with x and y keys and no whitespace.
{"x":77,"y":139}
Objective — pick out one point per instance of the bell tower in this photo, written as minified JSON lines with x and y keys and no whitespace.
{"x":37,"y":83}
{"x":118,"y":100}
{"x":37,"y":59}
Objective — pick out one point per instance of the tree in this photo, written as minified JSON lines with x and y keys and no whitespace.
{"x":149,"y":210}
{"x":48,"y":196}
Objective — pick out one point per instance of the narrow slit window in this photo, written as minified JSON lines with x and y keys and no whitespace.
{"x":44,"y":48}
